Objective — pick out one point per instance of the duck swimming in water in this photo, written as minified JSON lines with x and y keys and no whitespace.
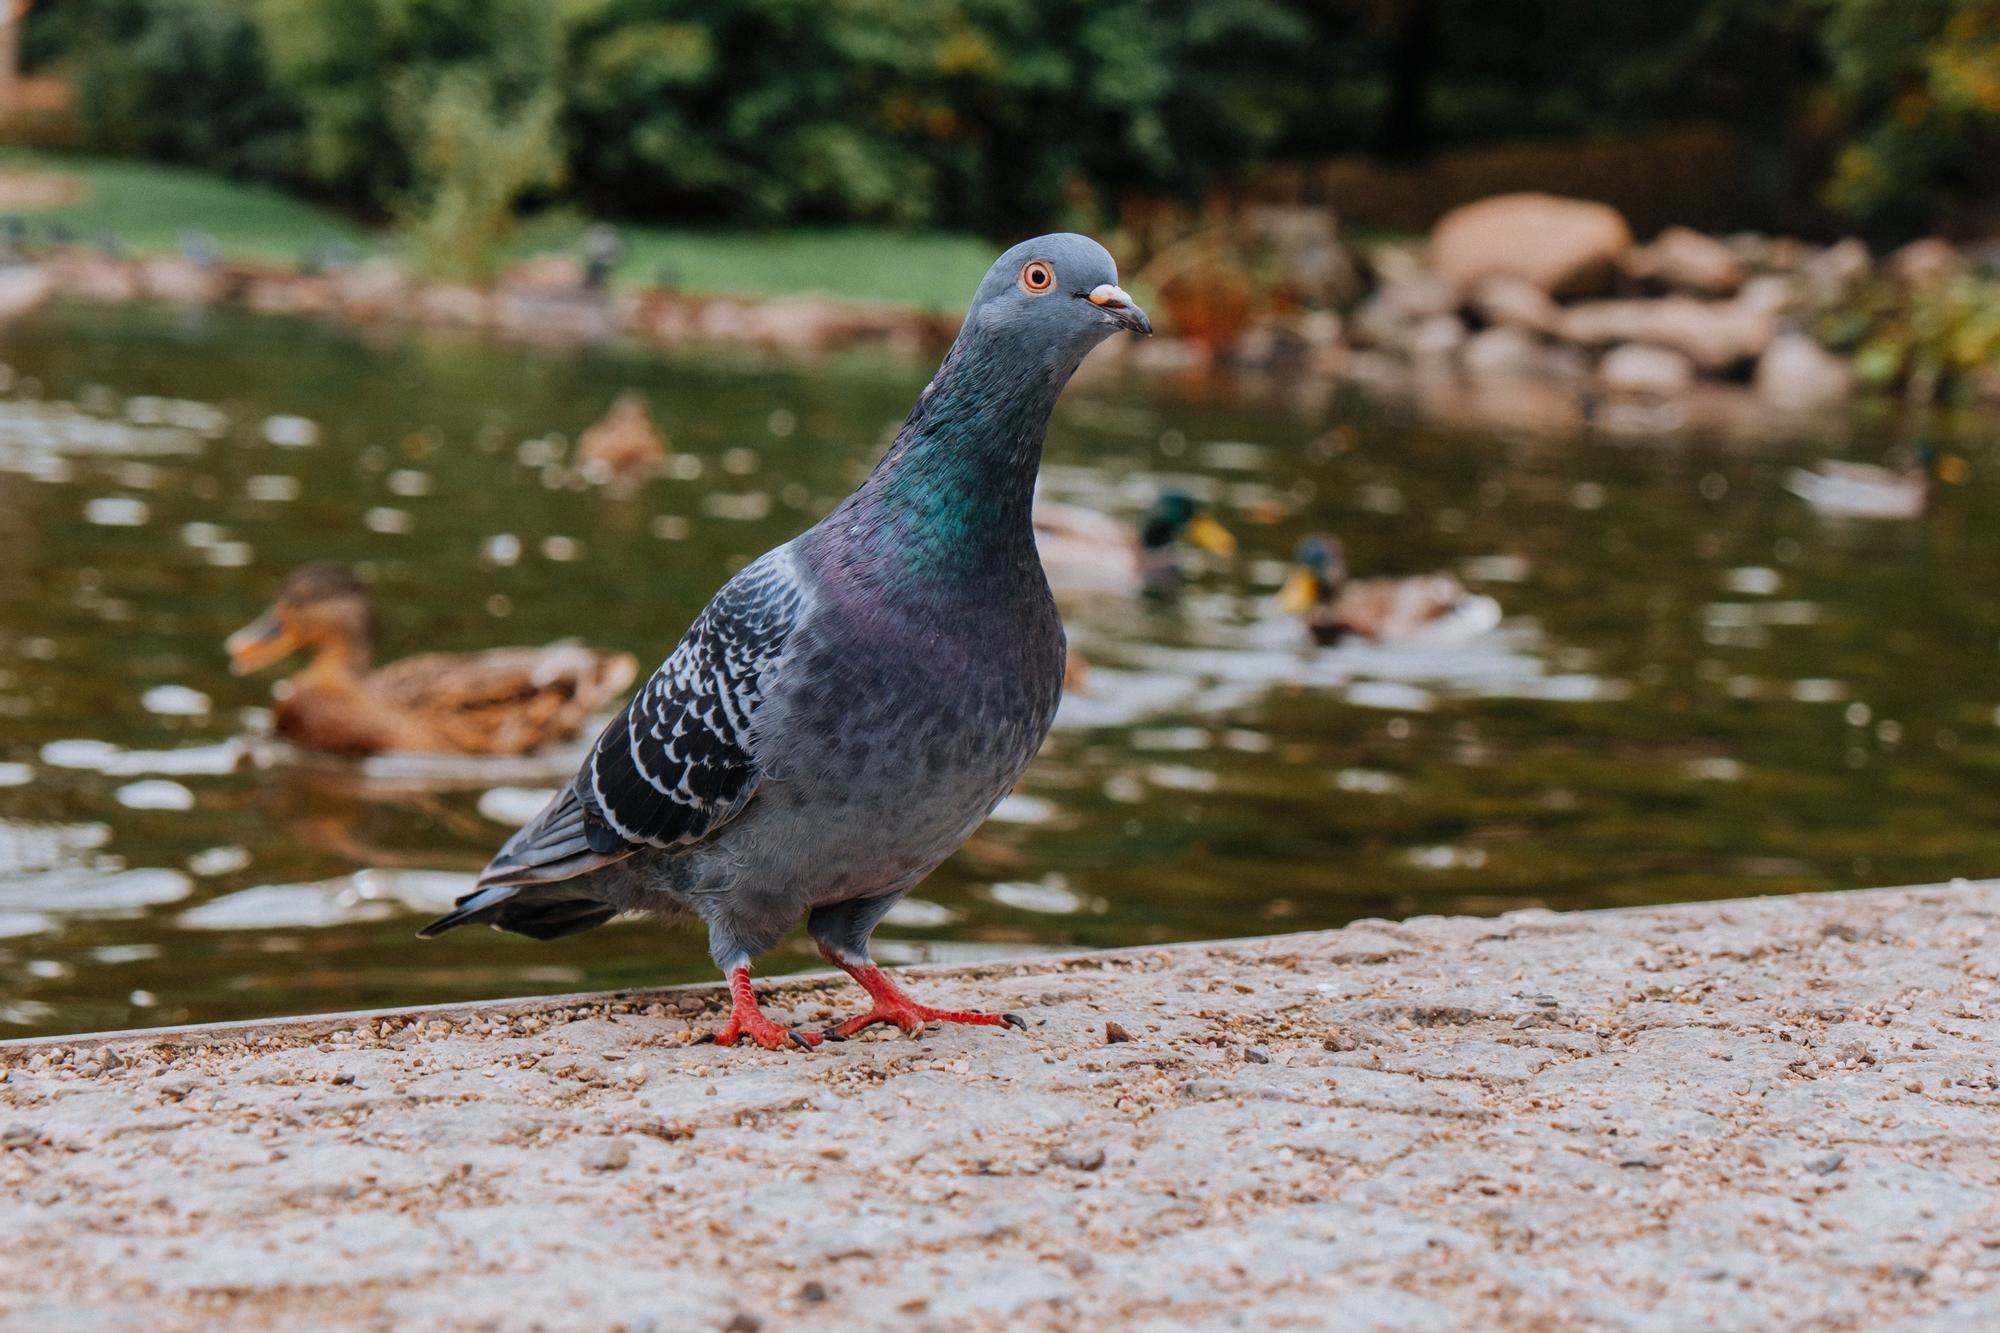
{"x":625,"y":445}
{"x":1864,"y":490}
{"x":505,"y":701}
{"x":1085,"y":552}
{"x":1429,"y":611}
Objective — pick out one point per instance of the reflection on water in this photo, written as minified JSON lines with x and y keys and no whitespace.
{"x":1696,"y":686}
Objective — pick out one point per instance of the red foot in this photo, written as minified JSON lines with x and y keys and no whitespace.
{"x":893,"y":1006}
{"x":747,"y":1020}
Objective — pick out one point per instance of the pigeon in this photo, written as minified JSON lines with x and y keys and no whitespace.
{"x":852,"y":704}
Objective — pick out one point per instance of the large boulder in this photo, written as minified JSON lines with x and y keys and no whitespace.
{"x":1566,"y":247}
{"x":1688,"y":261}
{"x":1796,"y":372}
{"x":1714,"y":334}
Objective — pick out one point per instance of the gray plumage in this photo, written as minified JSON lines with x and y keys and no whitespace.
{"x":852,"y":705}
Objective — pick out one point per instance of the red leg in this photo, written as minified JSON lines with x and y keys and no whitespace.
{"x":893,"y":1006}
{"x":747,"y":1020}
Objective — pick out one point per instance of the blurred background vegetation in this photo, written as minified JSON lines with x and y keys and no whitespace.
{"x":999,"y":115}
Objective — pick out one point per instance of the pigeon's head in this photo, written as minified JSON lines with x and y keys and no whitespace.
{"x":1055,"y":294}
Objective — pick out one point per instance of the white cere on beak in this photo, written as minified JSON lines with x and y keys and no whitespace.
{"x":1112,"y":297}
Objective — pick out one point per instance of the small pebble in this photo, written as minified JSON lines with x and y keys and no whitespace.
{"x":1115,"y":1032}
{"x":19,"y":1136}
{"x":1826,"y":1163}
{"x":608,"y":1155}
{"x":1257,"y":1055}
{"x":743,"y":1323}
{"x":1080,"y":1158}
{"x":812,"y":1293}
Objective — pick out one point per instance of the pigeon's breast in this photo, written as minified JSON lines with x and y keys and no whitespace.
{"x":891,"y":740}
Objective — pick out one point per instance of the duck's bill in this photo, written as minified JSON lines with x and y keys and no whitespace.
{"x":1211,"y":536}
{"x":258,"y":644}
{"x":1301,"y":590}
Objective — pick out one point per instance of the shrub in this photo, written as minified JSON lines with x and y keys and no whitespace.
{"x":185,"y":80}
{"x":472,"y":163}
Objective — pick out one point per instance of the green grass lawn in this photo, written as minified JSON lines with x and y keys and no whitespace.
{"x":149,"y":207}
{"x":934,"y":270}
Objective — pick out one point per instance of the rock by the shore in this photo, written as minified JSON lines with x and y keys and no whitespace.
{"x":1636,"y":368}
{"x":180,"y":281}
{"x":1715,"y":335}
{"x":1929,"y":262}
{"x":1565,"y":247}
{"x":1516,"y":303}
{"x":1797,"y":373}
{"x":1507,"y":353}
{"x":23,"y":287}
{"x":1689,"y":261}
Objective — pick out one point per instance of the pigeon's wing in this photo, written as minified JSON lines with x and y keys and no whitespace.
{"x":681,"y":758}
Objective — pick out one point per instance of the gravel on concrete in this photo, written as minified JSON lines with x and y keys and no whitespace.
{"x":1768,"y":1113}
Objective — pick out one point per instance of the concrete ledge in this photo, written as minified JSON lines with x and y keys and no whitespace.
{"x":1778,"y":1112}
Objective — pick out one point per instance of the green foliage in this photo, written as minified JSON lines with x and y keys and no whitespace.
{"x":1937,"y":340}
{"x":472,"y":163}
{"x":1918,"y":84}
{"x":996,"y":113}
{"x":354,"y":68}
{"x":184,"y":80}
{"x":963,"y":111}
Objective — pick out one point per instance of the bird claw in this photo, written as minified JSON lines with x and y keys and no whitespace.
{"x":915,"y":1019}
{"x":770,"y":1037}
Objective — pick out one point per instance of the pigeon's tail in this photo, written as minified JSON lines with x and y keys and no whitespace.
{"x":541,"y":883}
{"x":542,"y":912}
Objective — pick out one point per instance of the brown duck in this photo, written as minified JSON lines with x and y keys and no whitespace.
{"x":505,"y":701}
{"x":625,"y":445}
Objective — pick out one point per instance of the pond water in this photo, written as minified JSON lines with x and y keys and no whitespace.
{"x":1700,"y":688}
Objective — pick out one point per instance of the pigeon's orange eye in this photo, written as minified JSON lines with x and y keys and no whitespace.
{"x":1038,"y":276}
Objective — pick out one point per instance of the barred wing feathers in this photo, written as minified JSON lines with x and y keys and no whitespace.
{"x":670,"y":769}
{"x":681,"y":759}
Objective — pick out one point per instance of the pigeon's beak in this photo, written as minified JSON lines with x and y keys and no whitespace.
{"x":1120,"y":310}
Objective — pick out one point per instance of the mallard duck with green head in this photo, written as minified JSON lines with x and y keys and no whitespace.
{"x":1864,"y":490}
{"x":1085,"y":552}
{"x":1427,"y":611}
